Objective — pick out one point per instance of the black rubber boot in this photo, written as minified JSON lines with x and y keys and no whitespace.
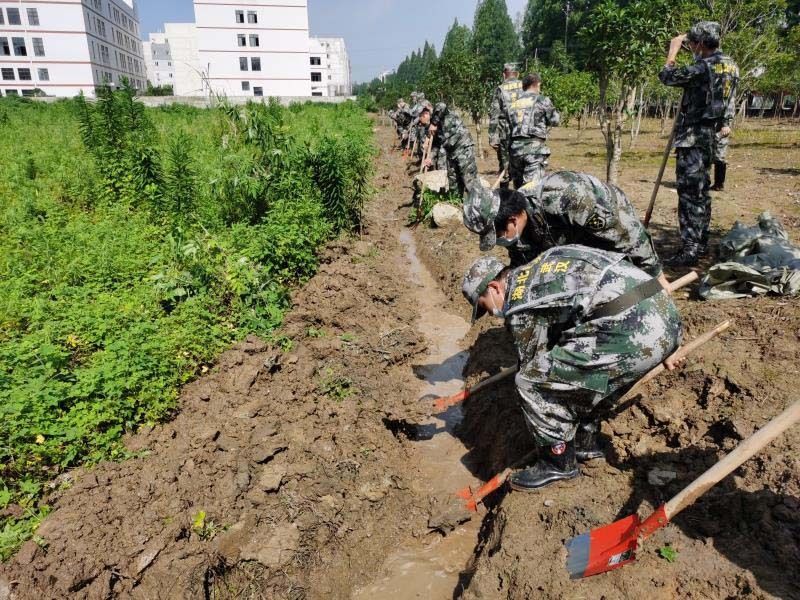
{"x":556,"y":463}
{"x":720,"y":171}
{"x":587,"y":442}
{"x":686,"y":257}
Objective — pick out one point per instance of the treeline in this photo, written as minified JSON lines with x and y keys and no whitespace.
{"x":599,"y":58}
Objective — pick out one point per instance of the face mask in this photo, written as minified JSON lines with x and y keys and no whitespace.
{"x":508,"y":242}
{"x":497,"y":312}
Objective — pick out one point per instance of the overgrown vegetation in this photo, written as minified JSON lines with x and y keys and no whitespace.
{"x":135,"y":245}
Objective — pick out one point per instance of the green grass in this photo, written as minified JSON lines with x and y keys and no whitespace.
{"x":137,"y":244}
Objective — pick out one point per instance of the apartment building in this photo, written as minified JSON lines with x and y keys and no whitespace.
{"x":254,"y":47}
{"x":65,"y":47}
{"x":330,"y":67}
{"x":158,"y":60}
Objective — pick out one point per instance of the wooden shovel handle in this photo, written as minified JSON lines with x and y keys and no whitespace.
{"x":445,"y":403}
{"x":746,"y":450}
{"x":683,"y":281}
{"x":499,"y":179}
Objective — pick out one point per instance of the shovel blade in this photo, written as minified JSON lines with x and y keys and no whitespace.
{"x":603,"y":549}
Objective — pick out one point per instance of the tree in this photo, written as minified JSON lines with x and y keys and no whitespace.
{"x":551,"y":25}
{"x":627,"y":43}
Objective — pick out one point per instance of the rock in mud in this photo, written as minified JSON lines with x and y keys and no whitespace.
{"x":661,"y":477}
{"x":445,"y":215}
{"x":273,"y":547}
{"x":272,"y":477}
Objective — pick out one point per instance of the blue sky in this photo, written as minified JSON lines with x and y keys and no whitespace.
{"x":379,"y":33}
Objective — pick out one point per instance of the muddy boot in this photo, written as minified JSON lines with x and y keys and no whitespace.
{"x":587,"y":442}
{"x":720,"y":170}
{"x":555,"y":463}
{"x":688,"y":256}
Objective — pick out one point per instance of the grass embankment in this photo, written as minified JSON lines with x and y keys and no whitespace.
{"x":135,"y":245}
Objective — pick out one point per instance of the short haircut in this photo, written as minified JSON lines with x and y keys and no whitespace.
{"x":531,"y":80}
{"x":512,"y":203}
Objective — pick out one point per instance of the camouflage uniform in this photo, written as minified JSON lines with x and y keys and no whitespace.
{"x":568,"y":208}
{"x":569,"y":360}
{"x":454,"y":138}
{"x":708,"y":104}
{"x":506,"y":93}
{"x":530,"y":118}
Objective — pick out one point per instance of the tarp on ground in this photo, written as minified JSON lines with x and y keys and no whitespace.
{"x":755,"y":261}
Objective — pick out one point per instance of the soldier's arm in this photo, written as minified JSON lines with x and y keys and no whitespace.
{"x":730,"y":108}
{"x":553,"y":116}
{"x":494,"y":115}
{"x":683,"y":76}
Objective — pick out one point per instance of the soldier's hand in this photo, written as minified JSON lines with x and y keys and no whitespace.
{"x":673,"y":363}
{"x":428,"y":162}
{"x":495,"y":146}
{"x":725,"y":131}
{"x":432,"y":129}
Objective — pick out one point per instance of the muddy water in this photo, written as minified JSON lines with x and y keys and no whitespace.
{"x":429,"y":568}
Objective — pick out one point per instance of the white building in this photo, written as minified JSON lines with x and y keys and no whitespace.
{"x":158,"y":60}
{"x":254,"y":48}
{"x":66,"y":47}
{"x":330,"y":67}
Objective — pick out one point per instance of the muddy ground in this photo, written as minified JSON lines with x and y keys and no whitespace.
{"x":294,"y":473}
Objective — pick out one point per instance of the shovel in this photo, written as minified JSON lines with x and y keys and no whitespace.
{"x":476,"y":497}
{"x":442,"y":404}
{"x":613,"y":546}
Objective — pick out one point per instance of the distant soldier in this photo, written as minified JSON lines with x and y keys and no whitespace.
{"x":506,"y":93}
{"x":709,"y":86}
{"x":565,"y":208}
{"x":530,"y":118}
{"x":587,"y":325}
{"x":452,"y":136}
{"x":400,"y":117}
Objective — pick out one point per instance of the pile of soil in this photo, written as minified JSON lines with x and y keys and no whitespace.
{"x":740,"y":540}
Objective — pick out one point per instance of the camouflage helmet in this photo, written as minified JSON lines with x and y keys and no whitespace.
{"x":706,"y":33}
{"x":421,"y":96}
{"x":426,"y":107}
{"x":439,"y":112}
{"x":511,"y":67}
{"x":482,"y":272}
{"x":480,"y":209}
{"x":414,"y":96}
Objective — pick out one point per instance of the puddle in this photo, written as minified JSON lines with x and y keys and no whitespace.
{"x":429,"y":568}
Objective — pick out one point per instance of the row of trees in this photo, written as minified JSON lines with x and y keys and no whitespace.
{"x":597,"y":57}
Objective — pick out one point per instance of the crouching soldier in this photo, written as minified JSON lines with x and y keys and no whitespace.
{"x":450,"y":134}
{"x":587,"y":325}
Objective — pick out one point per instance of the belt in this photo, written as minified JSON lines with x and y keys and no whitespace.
{"x":620,"y":304}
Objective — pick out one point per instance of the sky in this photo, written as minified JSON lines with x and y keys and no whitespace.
{"x":378,"y":33}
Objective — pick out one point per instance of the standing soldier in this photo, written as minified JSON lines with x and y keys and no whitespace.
{"x":587,"y":325}
{"x":709,"y":89}
{"x":506,"y":93}
{"x":530,"y":118}
{"x":450,"y":133}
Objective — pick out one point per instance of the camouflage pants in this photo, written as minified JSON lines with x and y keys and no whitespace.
{"x":462,"y":168}
{"x":438,"y":158}
{"x":720,"y":152}
{"x":528,"y":161}
{"x":553,"y":407}
{"x":693,"y":176}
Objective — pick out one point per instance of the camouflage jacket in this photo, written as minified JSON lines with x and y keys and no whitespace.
{"x":548,"y":310}
{"x":568,"y":207}
{"x":452,"y":133}
{"x":506,"y":93}
{"x":531,"y":116}
{"x":709,"y":98}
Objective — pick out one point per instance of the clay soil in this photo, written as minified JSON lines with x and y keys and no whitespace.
{"x":289,"y":473}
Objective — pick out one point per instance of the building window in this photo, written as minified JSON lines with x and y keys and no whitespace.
{"x":38,"y":46}
{"x":252,"y":17}
{"x":24,"y":74}
{"x":44,"y":74}
{"x":5,"y":49}
{"x":241,"y":39}
{"x":254,"y":40}
{"x":258,"y":91}
{"x":240,"y":16}
{"x":8,"y":74}
{"x":316,"y":61}
{"x":13,"y":16}
{"x":255,"y":64}
{"x":33,"y":16}
{"x":243,"y":63}
{"x":245,"y":86}
{"x":2,"y":18}
{"x":28,"y":93}
{"x":316,"y":76}
{"x":19,"y":47}
{"x":316,"y":93}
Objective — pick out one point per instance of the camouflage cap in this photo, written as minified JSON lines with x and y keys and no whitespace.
{"x":480,"y":209}
{"x":704,"y":31}
{"x":421,"y":96}
{"x":511,"y":67}
{"x":426,"y":107}
{"x":477,"y":279}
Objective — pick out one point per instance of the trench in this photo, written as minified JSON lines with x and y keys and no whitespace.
{"x":430,"y":567}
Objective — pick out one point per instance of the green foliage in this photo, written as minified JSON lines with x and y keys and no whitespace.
{"x":668,"y":553}
{"x":137,"y":244}
{"x":421,"y":213}
{"x":495,"y":42}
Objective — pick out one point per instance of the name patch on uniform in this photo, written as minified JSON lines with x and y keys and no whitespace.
{"x":554,"y":266}
{"x":519,"y":290}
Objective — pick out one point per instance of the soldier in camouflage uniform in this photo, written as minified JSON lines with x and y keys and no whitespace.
{"x":709,"y":91}
{"x":564,"y":208}
{"x":450,"y":133}
{"x":499,"y":130}
{"x":400,"y":117}
{"x":587,"y":325}
{"x":530,"y":118}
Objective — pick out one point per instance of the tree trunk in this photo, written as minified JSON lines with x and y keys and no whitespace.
{"x":479,"y":141}
{"x":615,"y":132}
{"x":638,"y":123}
